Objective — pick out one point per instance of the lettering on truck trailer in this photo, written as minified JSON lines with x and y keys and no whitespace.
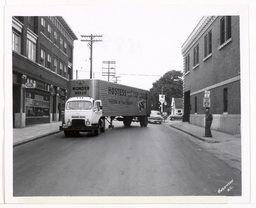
{"x":78,"y":90}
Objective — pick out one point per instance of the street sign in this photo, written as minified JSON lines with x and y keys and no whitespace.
{"x":207,"y":94}
{"x":161,"y":99}
{"x":207,"y":102}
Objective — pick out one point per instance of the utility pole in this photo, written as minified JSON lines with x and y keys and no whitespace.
{"x":91,"y":39}
{"x":108,"y":68}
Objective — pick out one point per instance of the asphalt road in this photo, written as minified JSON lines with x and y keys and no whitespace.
{"x":135,"y":161}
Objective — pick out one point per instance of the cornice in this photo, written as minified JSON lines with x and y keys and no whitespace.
{"x":200,"y":29}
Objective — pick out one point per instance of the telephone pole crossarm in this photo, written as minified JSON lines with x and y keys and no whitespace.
{"x":91,"y":39}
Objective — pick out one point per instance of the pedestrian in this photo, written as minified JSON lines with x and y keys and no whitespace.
{"x":208,"y":123}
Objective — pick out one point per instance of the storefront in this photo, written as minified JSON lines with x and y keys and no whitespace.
{"x":37,"y":102}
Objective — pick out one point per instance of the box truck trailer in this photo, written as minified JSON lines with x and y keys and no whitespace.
{"x":93,"y":102}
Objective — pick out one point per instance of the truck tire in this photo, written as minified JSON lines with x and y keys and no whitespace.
{"x":127,"y":121}
{"x":67,"y":133}
{"x":102,"y":126}
{"x":143,"y":121}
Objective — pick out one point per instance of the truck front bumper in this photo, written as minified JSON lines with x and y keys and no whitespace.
{"x":83,"y":128}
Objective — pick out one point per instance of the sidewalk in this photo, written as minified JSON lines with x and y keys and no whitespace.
{"x":225,"y":146}
{"x":29,"y":133}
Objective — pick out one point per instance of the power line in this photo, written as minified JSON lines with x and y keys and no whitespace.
{"x":91,"y":39}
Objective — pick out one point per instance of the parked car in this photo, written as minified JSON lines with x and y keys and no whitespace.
{"x":155,"y":117}
{"x":175,"y":116}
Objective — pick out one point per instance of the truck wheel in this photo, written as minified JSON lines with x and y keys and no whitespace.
{"x":67,"y":133}
{"x":127,"y":121}
{"x":143,"y":121}
{"x":102,"y":126}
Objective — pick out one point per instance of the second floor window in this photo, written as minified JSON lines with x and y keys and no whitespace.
{"x":196,"y":55}
{"x":16,"y":42}
{"x":225,"y":29}
{"x":31,"y":50}
{"x":208,"y":44}
{"x":187,"y":63}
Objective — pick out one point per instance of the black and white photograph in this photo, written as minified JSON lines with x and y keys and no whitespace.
{"x":127,"y":103}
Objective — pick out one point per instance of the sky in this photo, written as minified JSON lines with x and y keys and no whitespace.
{"x":144,"y":41}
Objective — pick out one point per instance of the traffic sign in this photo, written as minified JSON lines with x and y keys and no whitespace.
{"x":207,"y":102}
{"x":161,"y":99}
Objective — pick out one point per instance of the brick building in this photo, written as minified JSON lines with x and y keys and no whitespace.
{"x":42,"y":66}
{"x":212,"y":63}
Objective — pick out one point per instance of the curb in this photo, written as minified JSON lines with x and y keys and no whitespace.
{"x":205,"y":139}
{"x":15,"y":144}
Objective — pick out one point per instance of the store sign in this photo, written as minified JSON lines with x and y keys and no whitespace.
{"x":30,"y":85}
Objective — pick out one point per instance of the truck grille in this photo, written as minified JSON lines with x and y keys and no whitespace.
{"x":77,"y":123}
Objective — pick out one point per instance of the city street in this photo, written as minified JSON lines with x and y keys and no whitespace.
{"x":135,"y":161}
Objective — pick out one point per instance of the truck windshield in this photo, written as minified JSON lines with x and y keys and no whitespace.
{"x":79,"y":105}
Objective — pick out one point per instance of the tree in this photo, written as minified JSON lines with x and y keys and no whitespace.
{"x":171,"y":84}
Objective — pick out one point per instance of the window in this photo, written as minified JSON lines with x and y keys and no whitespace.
{"x":49,"y":61}
{"x":65,"y":47}
{"x":225,"y":29}
{"x":187,"y":63}
{"x":195,"y":104}
{"x":42,"y":57}
{"x":55,"y":65}
{"x":49,"y":29}
{"x":196,"y":55}
{"x":208,"y":44}
{"x":31,"y":50}
{"x":61,"y":68}
{"x":61,"y":43}
{"x":16,"y":42}
{"x":42,"y":24}
{"x":225,"y":99}
{"x":55,"y":37}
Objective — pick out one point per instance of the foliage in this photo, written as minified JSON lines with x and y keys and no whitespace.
{"x":171,"y":84}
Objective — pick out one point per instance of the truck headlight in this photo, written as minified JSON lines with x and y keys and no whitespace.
{"x":87,"y":123}
{"x":69,"y":123}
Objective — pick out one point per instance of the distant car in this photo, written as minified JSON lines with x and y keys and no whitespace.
{"x":155,"y":117}
{"x":175,"y":116}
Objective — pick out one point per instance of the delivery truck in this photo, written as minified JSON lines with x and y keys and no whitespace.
{"x":94,"y":102}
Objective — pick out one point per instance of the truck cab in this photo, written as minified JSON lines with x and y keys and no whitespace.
{"x":82,"y":114}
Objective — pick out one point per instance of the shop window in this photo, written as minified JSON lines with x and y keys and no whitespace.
{"x":37,"y":105}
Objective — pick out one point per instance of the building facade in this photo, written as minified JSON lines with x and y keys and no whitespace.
{"x":42,"y":60}
{"x":212,"y":63}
